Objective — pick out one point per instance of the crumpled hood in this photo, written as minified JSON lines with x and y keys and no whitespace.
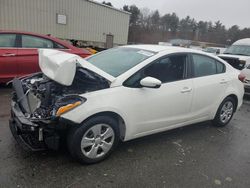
{"x":61,"y":66}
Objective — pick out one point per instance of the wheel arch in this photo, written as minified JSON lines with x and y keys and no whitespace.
{"x":218,"y":103}
{"x":235,"y":99}
{"x":115,"y":116}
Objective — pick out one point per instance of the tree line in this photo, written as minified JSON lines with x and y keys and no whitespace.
{"x":146,"y":26}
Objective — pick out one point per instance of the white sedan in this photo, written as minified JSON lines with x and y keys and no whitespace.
{"x":121,"y":94}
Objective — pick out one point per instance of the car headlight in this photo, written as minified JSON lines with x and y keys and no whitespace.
{"x":67,"y":103}
{"x":67,"y":108}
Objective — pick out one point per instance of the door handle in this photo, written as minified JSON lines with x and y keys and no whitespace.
{"x":8,"y":55}
{"x":223,"y":81}
{"x":186,"y":90}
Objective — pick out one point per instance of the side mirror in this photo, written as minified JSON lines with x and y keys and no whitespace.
{"x":150,"y":82}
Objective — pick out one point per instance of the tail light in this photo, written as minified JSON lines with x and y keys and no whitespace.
{"x":241,"y":77}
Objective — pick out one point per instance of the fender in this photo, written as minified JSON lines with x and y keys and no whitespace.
{"x":73,"y":116}
{"x":230,"y":91}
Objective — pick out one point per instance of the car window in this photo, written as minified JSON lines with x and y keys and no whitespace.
{"x":220,"y":67}
{"x":7,"y":40}
{"x":203,"y":65}
{"x":168,"y":69}
{"x":59,"y":46}
{"x":29,"y":41}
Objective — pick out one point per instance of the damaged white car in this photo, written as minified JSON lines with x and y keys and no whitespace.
{"x":120,"y":94}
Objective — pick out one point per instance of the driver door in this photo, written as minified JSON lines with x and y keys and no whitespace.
{"x":157,"y":109}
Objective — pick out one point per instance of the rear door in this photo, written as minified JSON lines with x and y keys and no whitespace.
{"x":8,"y":52}
{"x":27,"y":58}
{"x":210,"y":82}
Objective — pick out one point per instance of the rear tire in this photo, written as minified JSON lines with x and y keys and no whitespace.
{"x":94,"y":140}
{"x":225,"y":112}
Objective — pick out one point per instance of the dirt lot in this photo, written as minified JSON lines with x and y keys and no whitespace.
{"x":195,"y":156}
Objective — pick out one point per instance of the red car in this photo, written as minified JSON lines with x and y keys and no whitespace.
{"x":19,"y":54}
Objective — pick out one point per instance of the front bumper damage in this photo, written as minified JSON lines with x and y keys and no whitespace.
{"x":24,"y":131}
{"x":36,"y":135}
{"x":30,"y":134}
{"x":34,"y":132}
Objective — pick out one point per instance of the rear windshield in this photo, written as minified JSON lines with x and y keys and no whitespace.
{"x":116,"y":61}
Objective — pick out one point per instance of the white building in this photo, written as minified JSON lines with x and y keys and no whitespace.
{"x":85,"y":20}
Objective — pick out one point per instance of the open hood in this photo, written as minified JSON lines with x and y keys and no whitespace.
{"x":61,"y":66}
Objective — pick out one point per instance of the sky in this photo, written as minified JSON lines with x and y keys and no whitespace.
{"x":229,"y":12}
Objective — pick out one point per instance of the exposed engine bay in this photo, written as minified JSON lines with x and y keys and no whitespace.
{"x":44,"y":97}
{"x":40,"y":99}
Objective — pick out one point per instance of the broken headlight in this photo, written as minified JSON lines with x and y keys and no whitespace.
{"x":66,"y":104}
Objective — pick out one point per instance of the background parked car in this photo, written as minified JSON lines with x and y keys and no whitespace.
{"x":238,"y":55}
{"x":19,"y":55}
{"x":91,"y":50}
{"x":214,"y":50}
{"x":246,"y":72}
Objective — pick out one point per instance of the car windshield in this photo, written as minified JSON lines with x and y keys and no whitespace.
{"x":116,"y":61}
{"x":238,"y":50}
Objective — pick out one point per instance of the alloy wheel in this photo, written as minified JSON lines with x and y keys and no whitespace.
{"x":226,"y":112}
{"x":97,"y":141}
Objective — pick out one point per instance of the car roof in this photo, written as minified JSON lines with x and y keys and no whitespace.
{"x":64,"y":43}
{"x":172,"y":49}
{"x":161,"y":48}
{"x":22,"y":32}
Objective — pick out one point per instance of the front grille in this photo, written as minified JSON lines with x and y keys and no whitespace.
{"x":32,"y":141}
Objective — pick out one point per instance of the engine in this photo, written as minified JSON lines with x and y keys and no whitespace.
{"x":45,"y":96}
{"x":42,"y":94}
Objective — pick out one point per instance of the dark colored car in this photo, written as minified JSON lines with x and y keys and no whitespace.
{"x":19,"y":54}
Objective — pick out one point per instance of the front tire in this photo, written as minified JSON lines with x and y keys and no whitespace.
{"x":94,"y":140}
{"x":225,"y":112}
